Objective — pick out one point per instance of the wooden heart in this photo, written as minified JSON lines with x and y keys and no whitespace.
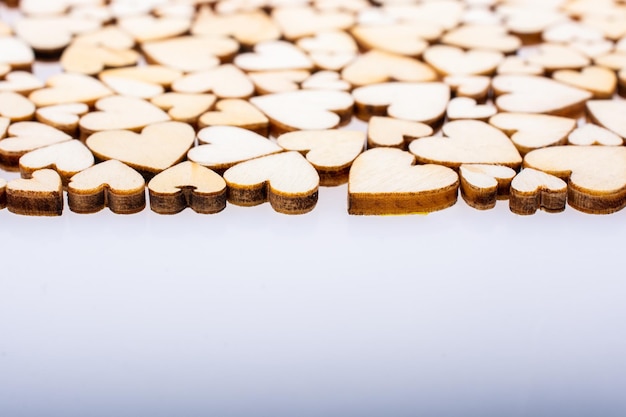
{"x":70,"y":88}
{"x":378,"y":67}
{"x":25,"y":137}
{"x":445,"y":13}
{"x":326,"y":80}
{"x":449,"y":60}
{"x":531,"y":94}
{"x":64,"y":117}
{"x":128,"y":87}
{"x":608,"y":114}
{"x":91,"y":59}
{"x":395,"y":133}
{"x":41,"y":195}
{"x":329,"y":50}
{"x":471,"y":86}
{"x":67,"y":158}
{"x":235,"y":112}
{"x":152,"y":74}
{"x":296,"y":22}
{"x":532,"y":131}
{"x":224,"y":146}
{"x":248,"y":28}
{"x":287,"y":180}
{"x":112,"y":37}
{"x":482,"y":185}
{"x":596,"y":175}
{"x":274,"y":56}
{"x":331,"y":152}
{"x":554,"y":57}
{"x":21,"y":82}
{"x":305,"y":109}
{"x":119,"y":112}
{"x":16,"y":53}
{"x":16,"y":107}
{"x":590,"y":134}
{"x":600,"y":81}
{"x":418,"y":102}
{"x":183,"y":107}
{"x":144,"y":28}
{"x":532,"y":189}
{"x":615,"y":60}
{"x":270,"y":82}
{"x":51,"y":34}
{"x":190,"y":53}
{"x":386,"y":181}
{"x":491,"y":37}
{"x":225,"y":81}
{"x":108,"y":184}
{"x":467,"y":142}
{"x":468,"y":108}
{"x":157,"y":147}
{"x":397,"y":38}
{"x":187,"y":185}
{"x":515,"y":65}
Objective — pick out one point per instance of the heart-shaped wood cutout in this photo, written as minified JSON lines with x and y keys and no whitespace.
{"x":596,"y":174}
{"x":450,"y":60}
{"x":445,"y":13}
{"x":248,"y":28}
{"x":533,"y":131}
{"x":41,"y":195}
{"x":296,"y":22}
{"x":491,"y":37}
{"x":157,"y":147}
{"x":16,"y":107}
{"x":235,"y":112}
{"x":4,"y":126}
{"x":305,"y":109}
{"x":418,"y":102}
{"x":471,"y":86}
{"x":132,"y":88}
{"x":108,"y":184}
{"x":25,"y":137}
{"x":468,"y":108}
{"x":482,"y":185}
{"x":70,"y":88}
{"x":531,"y":94}
{"x":287,"y":180}
{"x":224,"y":146}
{"x":111,"y":37}
{"x":329,"y":50}
{"x":187,"y":185}
{"x":190,"y":53}
{"x":119,"y":112}
{"x":395,"y":133}
{"x":515,"y":65}
{"x":386,"y":181}
{"x":51,"y":34}
{"x":67,"y":158}
{"x":326,"y":80}
{"x":378,"y":67}
{"x":609,"y":114}
{"x":16,"y":53}
{"x":467,"y":142}
{"x":144,"y":28}
{"x":21,"y":82}
{"x":91,"y":59}
{"x":225,"y":81}
{"x":152,"y":74}
{"x":600,"y":81}
{"x":532,"y":189}
{"x":184,"y":107}
{"x":554,"y":57}
{"x":274,"y":56}
{"x":615,"y":60}
{"x":64,"y":117}
{"x":396,"y":38}
{"x":590,"y":134}
{"x":270,"y":82}
{"x":331,"y":152}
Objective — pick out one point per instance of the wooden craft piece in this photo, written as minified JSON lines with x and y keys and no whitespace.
{"x":184,"y":107}
{"x":528,"y":21}
{"x":590,"y":134}
{"x":593,"y":49}
{"x":615,"y":60}
{"x":16,"y":107}
{"x":386,"y":181}
{"x":470,"y":86}
{"x":25,"y":137}
{"x":377,"y":67}
{"x":190,"y":53}
{"x":468,"y":108}
{"x":532,"y":94}
{"x":248,"y":28}
{"x":554,"y":57}
{"x":270,"y":82}
{"x":3,"y":193}
{"x":111,"y":37}
{"x":418,"y":102}
{"x":187,"y":185}
{"x":599,"y":81}
{"x":297,"y":22}
{"x":491,"y":37}
{"x":49,"y":35}
{"x":64,"y":117}
{"x":568,"y":31}
{"x":221,"y":147}
{"x":225,"y":81}
{"x":515,"y":65}
{"x":129,"y":87}
{"x":21,"y":82}
{"x":235,"y":112}
{"x":533,"y":131}
{"x":91,"y":59}
{"x":153,"y":74}
{"x":608,"y":114}
{"x":450,"y":60}
{"x":482,"y":185}
{"x":67,"y":158}
{"x":532,"y":189}
{"x":326,"y":80}
{"x":596,"y":175}
{"x":186,"y":10}
{"x":67,"y":88}
{"x":50,"y":7}
{"x":158,"y":146}
{"x":445,"y":13}
{"x":287,"y":180}
{"x":397,"y":38}
{"x":395,"y":133}
{"x":329,"y":50}
{"x":331,"y":152}
{"x":108,"y":184}
{"x":119,"y":112}
{"x":145,"y":28}
{"x":305,"y":109}
{"x":467,"y":142}
{"x":274,"y":56}
{"x":612,"y":24}
{"x":41,"y":195}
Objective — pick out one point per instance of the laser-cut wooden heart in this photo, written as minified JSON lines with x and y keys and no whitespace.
{"x":590,"y":134}
{"x":270,"y":82}
{"x":91,"y":59}
{"x":225,"y":81}
{"x":157,"y":147}
{"x":296,"y":22}
{"x":492,"y":37}
{"x":450,"y":60}
{"x":326,"y":80}
{"x":70,"y":88}
{"x":144,"y":28}
{"x":331,"y":152}
{"x":468,"y":108}
{"x":287,"y":180}
{"x":16,"y":107}
{"x":51,"y":34}
{"x":25,"y":137}
{"x":64,"y":117}
{"x":128,"y":87}
{"x":16,"y":53}
{"x":305,"y":109}
{"x":395,"y":133}
{"x":596,"y":175}
{"x":41,"y":195}
{"x":482,"y":185}
{"x":471,"y":86}
{"x":377,"y":67}
{"x":221,"y":147}
{"x":190,"y":53}
{"x":609,"y":114}
{"x":418,"y":102}
{"x":153,"y":74}
{"x":445,"y":13}
{"x":274,"y":56}
{"x":554,"y":57}
{"x":387,"y":181}
{"x":600,"y":81}
{"x":183,"y":107}
{"x":467,"y":142}
{"x":329,"y":50}
{"x":531,"y":94}
{"x":397,"y":38}
{"x":21,"y":82}
{"x":112,"y":37}
{"x":532,"y":131}
{"x":187,"y":185}
{"x":235,"y":112}
{"x":532,"y":189}
{"x":615,"y":60}
{"x":515,"y":65}
{"x":110,"y":184}
{"x":248,"y":28}
{"x":67,"y":158}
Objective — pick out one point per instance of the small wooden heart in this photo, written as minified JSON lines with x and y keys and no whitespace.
{"x":468,"y":108}
{"x":235,"y":112}
{"x":70,"y":88}
{"x":395,"y":133}
{"x":482,"y":185}
{"x":25,"y":137}
{"x":600,"y":81}
{"x":16,"y":53}
{"x":450,"y":60}
{"x":64,"y":117}
{"x":609,"y":114}
{"x":274,"y":56}
{"x":532,"y":189}
{"x":225,"y":81}
{"x":16,"y":107}
{"x":21,"y":82}
{"x":247,"y":27}
{"x":41,"y":195}
{"x":590,"y":134}
{"x":190,"y":53}
{"x":377,"y":67}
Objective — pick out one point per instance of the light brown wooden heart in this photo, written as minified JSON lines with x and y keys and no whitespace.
{"x":235,"y":112}
{"x":16,"y":53}
{"x":482,"y":185}
{"x":183,"y":107}
{"x":152,"y":74}
{"x":64,"y":117}
{"x":144,"y":28}
{"x":67,"y":158}
{"x":599,"y":81}
{"x":515,"y":65}
{"x":377,"y":67}
{"x":41,"y":195}
{"x":190,"y":53}
{"x":471,"y":86}
{"x":21,"y":82}
{"x":25,"y":137}
{"x":329,"y":50}
{"x":51,"y":34}
{"x":70,"y":88}
{"x":396,"y":38}
{"x":271,"y":82}
{"x":554,"y":57}
{"x":532,"y":189}
{"x":225,"y":81}
{"x":451,"y":60}
{"x":608,"y":114}
{"x":274,"y":56}
{"x":467,"y":108}
{"x":490,"y":37}
{"x":248,"y":28}
{"x":590,"y":134}
{"x":16,"y":107}
{"x":91,"y":59}
{"x":326,"y":80}
{"x":395,"y":133}
{"x":298,"y":21}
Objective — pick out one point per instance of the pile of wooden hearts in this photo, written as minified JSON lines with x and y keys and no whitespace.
{"x":205,"y":102}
